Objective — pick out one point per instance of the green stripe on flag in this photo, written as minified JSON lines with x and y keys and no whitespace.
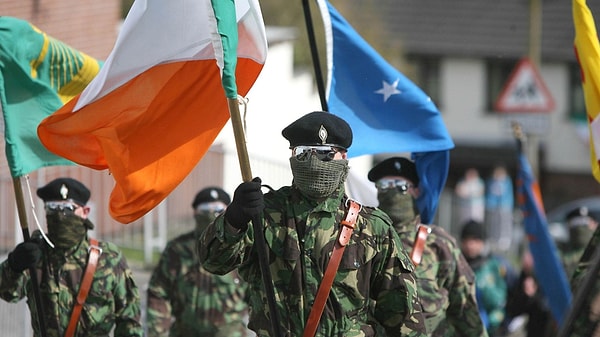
{"x":225,"y":15}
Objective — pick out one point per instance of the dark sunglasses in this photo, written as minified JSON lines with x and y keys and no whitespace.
{"x":323,"y":152}
{"x":399,"y":184}
{"x":60,"y":206}
{"x":210,"y":208}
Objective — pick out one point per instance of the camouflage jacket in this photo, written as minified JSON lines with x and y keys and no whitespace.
{"x":300,"y":234}
{"x":570,"y":259}
{"x":586,"y":321}
{"x":112,"y":302}
{"x":446,"y":284}
{"x":201,"y":303}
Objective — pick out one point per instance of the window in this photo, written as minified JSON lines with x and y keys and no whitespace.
{"x":426,"y":75}
{"x":576,"y":99}
{"x":125,"y":6}
{"x":498,"y":72}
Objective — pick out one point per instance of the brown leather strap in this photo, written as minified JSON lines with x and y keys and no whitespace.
{"x":416,"y":255}
{"x":86,"y":282}
{"x":338,"y":250}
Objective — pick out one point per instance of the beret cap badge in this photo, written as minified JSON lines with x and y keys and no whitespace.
{"x":323,"y":134}
{"x":64,"y":191}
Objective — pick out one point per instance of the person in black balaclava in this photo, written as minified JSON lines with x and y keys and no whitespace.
{"x":61,"y":259}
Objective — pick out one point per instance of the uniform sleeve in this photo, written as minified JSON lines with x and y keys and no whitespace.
{"x":127,"y":303}
{"x":221,"y":249}
{"x":12,"y":284}
{"x":462,"y":313}
{"x":159,"y":309}
{"x":397,"y":307}
{"x":585,"y":321}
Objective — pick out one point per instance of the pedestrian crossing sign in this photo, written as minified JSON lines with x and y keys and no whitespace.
{"x":525,"y":91}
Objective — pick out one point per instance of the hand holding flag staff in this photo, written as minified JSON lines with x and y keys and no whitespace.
{"x":30,"y":91}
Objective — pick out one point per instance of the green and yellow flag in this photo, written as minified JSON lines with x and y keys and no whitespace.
{"x":38,"y":75}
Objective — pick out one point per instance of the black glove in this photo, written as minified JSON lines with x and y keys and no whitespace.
{"x":247,"y":202}
{"x":25,"y":255}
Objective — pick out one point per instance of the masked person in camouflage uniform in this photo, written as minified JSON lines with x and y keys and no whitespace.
{"x":581,"y":226}
{"x":113,"y":301}
{"x":587,"y":315}
{"x":445,"y":279}
{"x":186,"y":300}
{"x":301,"y":225}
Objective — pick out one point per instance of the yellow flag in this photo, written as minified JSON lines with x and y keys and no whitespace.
{"x":587,"y":51}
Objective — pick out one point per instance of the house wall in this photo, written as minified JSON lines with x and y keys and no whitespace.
{"x":562,"y":146}
{"x":87,"y":25}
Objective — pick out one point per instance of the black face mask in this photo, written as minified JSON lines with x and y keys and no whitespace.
{"x":398,"y":205}
{"x":65,"y":229}
{"x":203,"y":219}
{"x":579,"y":236}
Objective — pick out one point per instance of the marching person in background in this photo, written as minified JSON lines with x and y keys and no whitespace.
{"x":470,"y":193}
{"x":186,"y":300}
{"x":301,"y":225}
{"x":586,"y":316}
{"x":581,"y":225}
{"x":113,"y":300}
{"x":445,"y":279}
{"x":490,"y":275}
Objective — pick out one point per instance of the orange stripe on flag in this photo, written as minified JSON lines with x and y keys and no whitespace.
{"x":135,"y":141}
{"x":160,"y":99}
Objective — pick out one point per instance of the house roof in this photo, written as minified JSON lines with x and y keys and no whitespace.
{"x":476,"y":28}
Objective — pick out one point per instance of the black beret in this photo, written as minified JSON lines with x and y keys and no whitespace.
{"x":211,"y":194}
{"x":319,"y":128}
{"x":395,"y":166}
{"x":64,"y":189}
{"x":474,"y":230}
{"x":577,"y":212}
{"x":580,"y":216}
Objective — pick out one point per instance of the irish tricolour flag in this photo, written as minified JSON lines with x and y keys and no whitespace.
{"x":160,"y":99}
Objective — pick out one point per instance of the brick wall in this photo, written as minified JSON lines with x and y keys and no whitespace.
{"x":89,"y":26}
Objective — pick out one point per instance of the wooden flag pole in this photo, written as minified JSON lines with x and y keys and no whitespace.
{"x":37,"y":297}
{"x":240,"y":138}
{"x":259,"y":239}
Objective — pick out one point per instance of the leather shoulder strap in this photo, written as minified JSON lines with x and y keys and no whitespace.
{"x":336,"y":257}
{"x":94,"y":253}
{"x":416,"y":255}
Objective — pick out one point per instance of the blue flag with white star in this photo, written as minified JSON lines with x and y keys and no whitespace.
{"x":387,"y":112}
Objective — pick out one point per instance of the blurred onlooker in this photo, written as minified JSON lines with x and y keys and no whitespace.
{"x":581,"y":224}
{"x":526,"y":298}
{"x":490,"y":273}
{"x":499,"y":205}
{"x":470,"y":192}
